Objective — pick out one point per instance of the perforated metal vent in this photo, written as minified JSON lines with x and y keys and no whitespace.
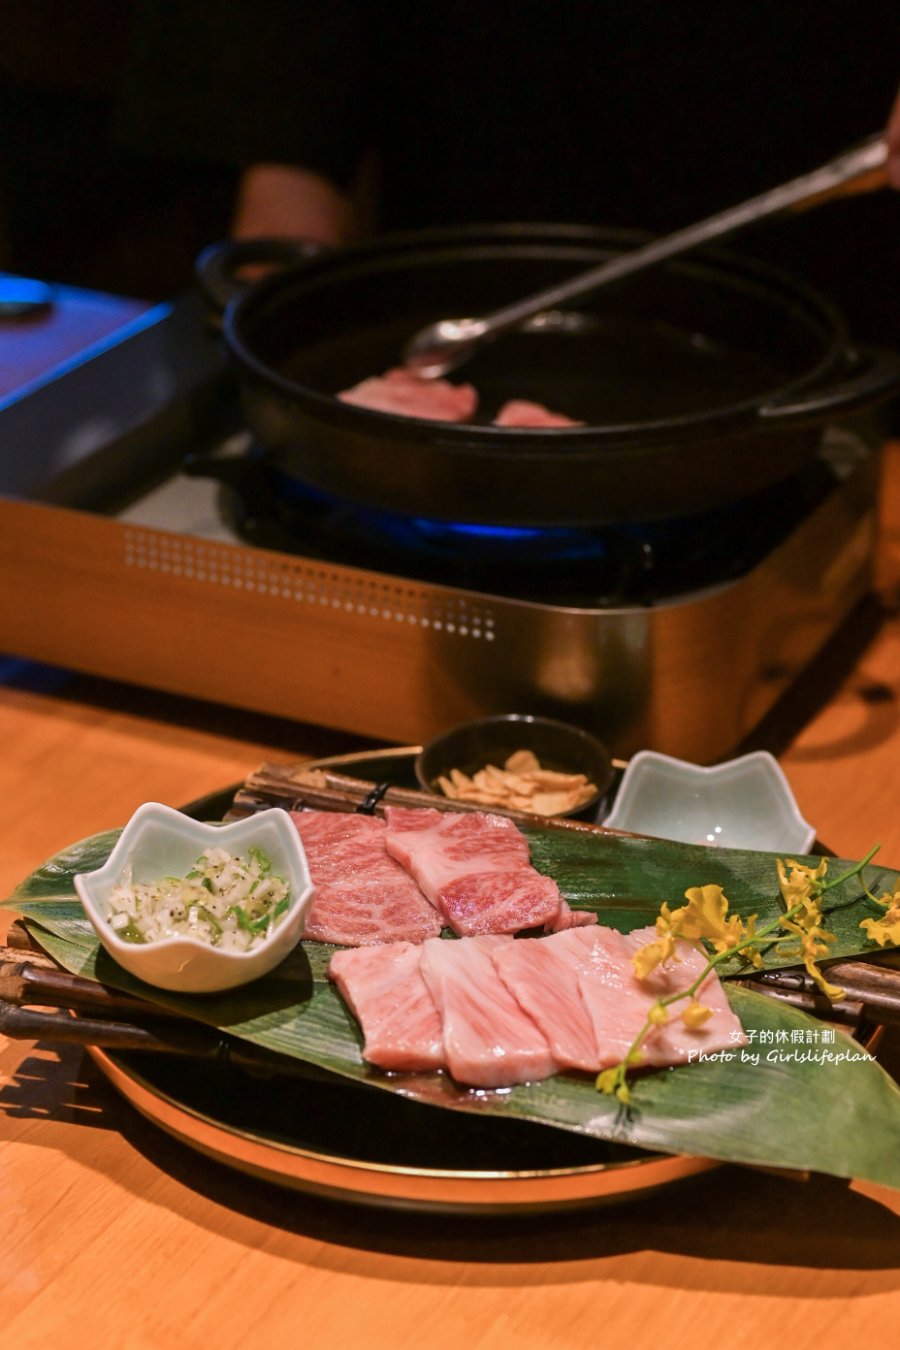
{"x":297,"y":581}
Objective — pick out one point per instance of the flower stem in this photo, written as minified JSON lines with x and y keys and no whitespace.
{"x":613,"y":1081}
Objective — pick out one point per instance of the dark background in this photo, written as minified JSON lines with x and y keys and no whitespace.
{"x":78,"y":203}
{"x":124,"y":126}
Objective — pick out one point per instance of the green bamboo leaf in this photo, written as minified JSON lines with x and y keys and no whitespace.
{"x":808,"y":1102}
{"x":53,"y":879}
{"x":792,"y":1098}
{"x":625,"y":880}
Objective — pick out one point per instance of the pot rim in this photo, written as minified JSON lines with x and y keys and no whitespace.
{"x":404,"y":246}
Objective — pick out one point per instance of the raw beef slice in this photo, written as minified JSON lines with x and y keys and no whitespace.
{"x":362,"y":894}
{"x":475,"y":869}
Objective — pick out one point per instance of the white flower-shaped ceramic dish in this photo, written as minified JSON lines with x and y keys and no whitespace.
{"x":160,"y":842}
{"x":743,"y":803}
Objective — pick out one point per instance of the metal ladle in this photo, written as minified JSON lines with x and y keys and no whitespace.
{"x":444,"y":345}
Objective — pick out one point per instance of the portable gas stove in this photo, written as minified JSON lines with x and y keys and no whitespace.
{"x":144,"y":538}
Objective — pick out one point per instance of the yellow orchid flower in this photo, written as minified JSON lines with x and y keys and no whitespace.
{"x":613,"y":1084}
{"x":752,"y":954}
{"x":886,"y":930}
{"x":799,"y":884}
{"x":704,"y":916}
{"x":705,"y":919}
{"x":831,"y":991}
{"x":647,"y":958}
{"x":813,"y":945}
{"x":695,"y":1014}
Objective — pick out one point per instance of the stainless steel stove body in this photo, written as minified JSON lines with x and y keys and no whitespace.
{"x":116,"y":562}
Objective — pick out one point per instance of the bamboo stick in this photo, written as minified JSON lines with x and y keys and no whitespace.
{"x":326,"y":790}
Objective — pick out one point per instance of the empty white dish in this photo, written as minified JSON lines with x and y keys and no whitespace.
{"x":742,"y":803}
{"x":158,"y":842}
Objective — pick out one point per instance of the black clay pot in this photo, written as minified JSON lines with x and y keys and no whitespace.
{"x":703,"y":381}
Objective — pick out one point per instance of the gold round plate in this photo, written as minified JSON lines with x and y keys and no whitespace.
{"x":212,"y":1115}
{"x":393,"y":1185}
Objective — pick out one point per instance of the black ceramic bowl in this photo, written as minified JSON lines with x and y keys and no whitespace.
{"x":557,"y":745}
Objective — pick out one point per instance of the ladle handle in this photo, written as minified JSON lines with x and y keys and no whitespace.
{"x":864,"y":161}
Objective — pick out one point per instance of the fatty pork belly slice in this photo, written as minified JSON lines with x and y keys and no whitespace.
{"x":618,"y":1002}
{"x":363,"y":895}
{"x":569,"y":918}
{"x":675,"y":1043}
{"x":387,"y":995}
{"x":521,"y":412}
{"x":400,"y":391}
{"x":474,"y":867}
{"x":542,"y":976}
{"x":490,"y":1041}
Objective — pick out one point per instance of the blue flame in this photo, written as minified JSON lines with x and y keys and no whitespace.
{"x":508,"y":533}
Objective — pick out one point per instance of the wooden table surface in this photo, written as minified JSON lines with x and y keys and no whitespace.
{"x":114,"y":1235}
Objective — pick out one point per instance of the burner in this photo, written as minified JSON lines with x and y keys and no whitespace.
{"x":635,"y":564}
{"x":680,"y":635}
